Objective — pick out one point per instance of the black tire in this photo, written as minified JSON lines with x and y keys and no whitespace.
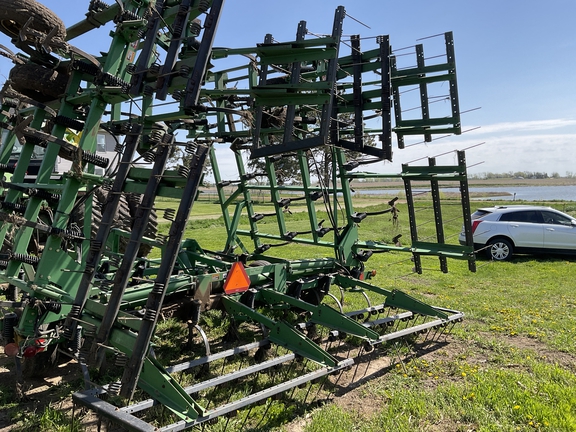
{"x":134,"y":201}
{"x":259,"y":263}
{"x":15,"y":13}
{"x":499,"y":249}
{"x":122,"y":218}
{"x":78,"y":214}
{"x":37,"y":82}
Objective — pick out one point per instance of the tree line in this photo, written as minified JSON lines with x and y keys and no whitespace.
{"x":520,"y":174}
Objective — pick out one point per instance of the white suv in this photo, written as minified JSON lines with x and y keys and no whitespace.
{"x":503,"y":230}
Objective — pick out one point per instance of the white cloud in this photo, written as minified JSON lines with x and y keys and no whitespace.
{"x":527,"y":126}
{"x":499,"y":148}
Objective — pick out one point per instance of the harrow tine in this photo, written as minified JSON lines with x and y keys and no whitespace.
{"x":357,"y":365}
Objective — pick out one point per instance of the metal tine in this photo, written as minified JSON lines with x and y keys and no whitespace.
{"x":357,"y":365}
{"x":246,"y":417}
{"x":308,"y":392}
{"x":213,"y":389}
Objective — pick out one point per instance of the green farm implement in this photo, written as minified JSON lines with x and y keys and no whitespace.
{"x":85,"y":271}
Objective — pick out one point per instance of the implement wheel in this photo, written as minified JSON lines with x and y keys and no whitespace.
{"x":37,"y":82}
{"x":15,"y":13}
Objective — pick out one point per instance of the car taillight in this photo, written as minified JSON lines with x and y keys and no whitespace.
{"x":475,"y":224}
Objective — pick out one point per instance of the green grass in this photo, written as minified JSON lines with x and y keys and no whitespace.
{"x":510,"y":365}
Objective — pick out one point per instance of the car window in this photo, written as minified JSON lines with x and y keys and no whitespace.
{"x":556,"y":218}
{"x":528,"y":216}
{"x":479,"y":213}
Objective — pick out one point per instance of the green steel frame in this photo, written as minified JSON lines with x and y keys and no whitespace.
{"x":85,"y":281}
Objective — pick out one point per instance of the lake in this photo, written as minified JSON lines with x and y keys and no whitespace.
{"x":521,"y":193}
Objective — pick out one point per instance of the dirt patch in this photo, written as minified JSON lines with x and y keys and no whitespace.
{"x":352,"y":398}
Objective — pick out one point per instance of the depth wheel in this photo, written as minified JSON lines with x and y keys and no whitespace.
{"x":37,"y":82}
{"x":15,"y":13}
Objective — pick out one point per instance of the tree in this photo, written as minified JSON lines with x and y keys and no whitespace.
{"x":287,"y":168}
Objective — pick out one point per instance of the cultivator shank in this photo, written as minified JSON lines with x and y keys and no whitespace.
{"x":255,"y":327}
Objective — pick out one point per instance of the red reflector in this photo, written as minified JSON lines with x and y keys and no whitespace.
{"x":475,"y":224}
{"x":237,"y":279}
{"x":30,"y":351}
{"x":11,"y":349}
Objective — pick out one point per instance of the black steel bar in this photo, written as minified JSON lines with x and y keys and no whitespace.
{"x":99,"y":243}
{"x":438,"y":216}
{"x":122,"y":276}
{"x":156,"y":296}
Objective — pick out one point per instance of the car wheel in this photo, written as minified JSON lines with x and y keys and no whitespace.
{"x":499,"y":249}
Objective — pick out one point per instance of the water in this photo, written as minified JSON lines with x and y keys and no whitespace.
{"x":522,"y":193}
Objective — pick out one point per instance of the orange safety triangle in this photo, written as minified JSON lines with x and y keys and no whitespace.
{"x":237,"y":279}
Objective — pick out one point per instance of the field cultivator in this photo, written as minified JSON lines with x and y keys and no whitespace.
{"x":258,"y":329}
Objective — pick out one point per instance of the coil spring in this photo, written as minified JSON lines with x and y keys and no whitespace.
{"x":142,"y":33}
{"x":76,"y":343}
{"x":120,"y":360}
{"x":3,"y":264}
{"x":177,"y":95}
{"x":10,"y":322}
{"x":119,"y":148}
{"x":130,"y":68}
{"x":158,"y":289}
{"x":184,"y":71}
{"x":53,"y":306}
{"x":191,"y":147}
{"x":69,"y":122}
{"x":126,"y":16}
{"x":26,"y":259}
{"x":74,"y":232}
{"x":44,"y":194}
{"x":150,"y":315}
{"x":204,"y":5}
{"x":195,"y":27}
{"x":75,"y":311}
{"x":15,"y":207}
{"x":97,"y":6}
{"x":37,"y":141}
{"x":112,"y":80}
{"x":94,"y":159}
{"x":7,"y":168}
{"x":149,"y":156}
{"x":148,"y":91}
{"x":177,"y":30}
{"x":115,"y":261}
{"x":96,"y":246}
{"x":154,"y":69}
{"x":169,"y":214}
{"x":156,"y":135}
{"x":183,"y":171}
{"x":114,"y":388}
{"x":120,"y":128}
{"x":87,"y":68}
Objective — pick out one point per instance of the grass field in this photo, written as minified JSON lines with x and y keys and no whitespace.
{"x":509,"y":366}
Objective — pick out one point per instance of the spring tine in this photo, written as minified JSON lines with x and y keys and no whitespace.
{"x":356,"y":367}
{"x":307,"y":393}
{"x":227,"y":421}
{"x":320,"y":388}
{"x":263,"y":416}
{"x":246,"y":417}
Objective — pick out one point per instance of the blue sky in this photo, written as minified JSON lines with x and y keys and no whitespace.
{"x":516,"y":60}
